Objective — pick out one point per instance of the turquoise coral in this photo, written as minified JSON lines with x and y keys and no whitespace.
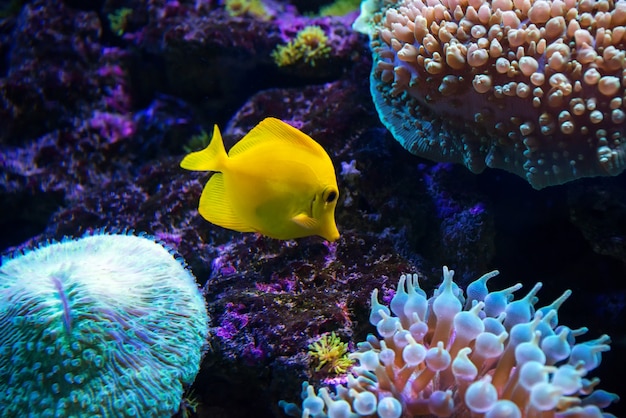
{"x":452,"y":355}
{"x":103,"y":326}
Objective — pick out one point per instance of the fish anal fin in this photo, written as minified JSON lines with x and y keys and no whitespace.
{"x":277,"y":131}
{"x":215,"y":206}
{"x":305,"y":221}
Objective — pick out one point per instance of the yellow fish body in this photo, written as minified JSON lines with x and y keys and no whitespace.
{"x":276,"y":181}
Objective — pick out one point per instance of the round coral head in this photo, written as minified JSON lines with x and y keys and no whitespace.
{"x":107,"y":325}
{"x":534,"y":88}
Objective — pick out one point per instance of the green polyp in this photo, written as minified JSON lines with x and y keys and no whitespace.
{"x":118,"y":404}
{"x":98,"y":361}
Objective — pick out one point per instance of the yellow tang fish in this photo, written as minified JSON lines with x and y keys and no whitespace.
{"x":276,"y":181}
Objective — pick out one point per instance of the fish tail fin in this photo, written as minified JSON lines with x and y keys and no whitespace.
{"x":212,"y":158}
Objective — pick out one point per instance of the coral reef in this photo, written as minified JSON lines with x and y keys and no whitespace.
{"x":270,"y":301}
{"x":456,"y":355}
{"x":107,"y":325}
{"x":599,"y":211}
{"x":216,"y":60}
{"x":102,"y":148}
{"x":46,"y":83}
{"x":534,"y":89}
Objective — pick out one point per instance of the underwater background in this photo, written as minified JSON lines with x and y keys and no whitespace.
{"x":101,"y":100}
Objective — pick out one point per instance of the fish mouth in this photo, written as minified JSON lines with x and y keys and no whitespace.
{"x":331,"y":236}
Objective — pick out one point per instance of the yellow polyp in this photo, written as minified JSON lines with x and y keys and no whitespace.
{"x":251,"y":7}
{"x":330,"y":353}
{"x":310,"y":45}
{"x":285,"y":55}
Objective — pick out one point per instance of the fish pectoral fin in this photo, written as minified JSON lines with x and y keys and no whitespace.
{"x":216,"y":207}
{"x":305,"y":221}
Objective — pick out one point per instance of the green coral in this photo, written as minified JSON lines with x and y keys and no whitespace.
{"x":242,"y":7}
{"x":197,"y":142}
{"x":310,"y":45}
{"x":118,"y":20}
{"x":339,"y":8}
{"x":331,"y":354}
{"x":189,"y":405}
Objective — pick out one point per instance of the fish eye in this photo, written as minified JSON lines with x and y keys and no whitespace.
{"x":330,"y":196}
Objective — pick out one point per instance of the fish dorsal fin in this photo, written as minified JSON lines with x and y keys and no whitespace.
{"x":305,"y":221}
{"x":216,"y":207}
{"x":212,"y":158}
{"x":272,"y":129}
